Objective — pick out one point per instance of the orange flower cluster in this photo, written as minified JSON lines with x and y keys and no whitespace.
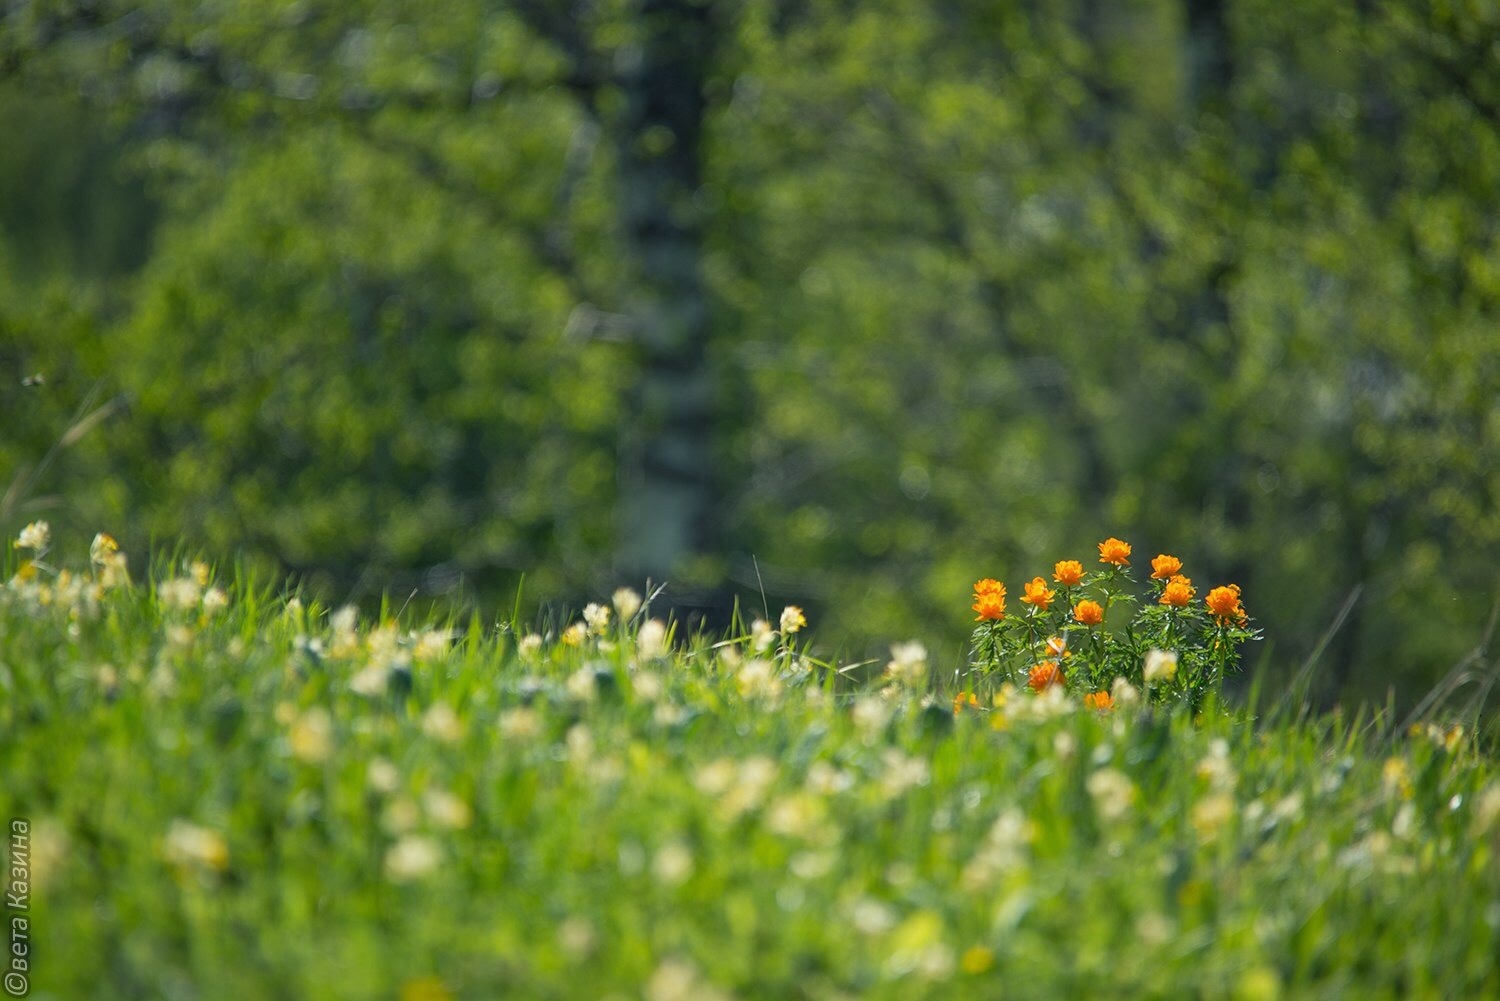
{"x":1100,"y":701}
{"x":989,"y":600}
{"x":1088,"y":613}
{"x":1224,"y":603}
{"x":1068,"y":573}
{"x":1114,"y":551}
{"x":1165,"y":567}
{"x":1178,"y":592}
{"x":1044,"y":676}
{"x":1037,"y":594}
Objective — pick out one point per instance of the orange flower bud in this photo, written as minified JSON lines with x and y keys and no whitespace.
{"x":1089,"y":613}
{"x":989,"y":600}
{"x":1114,"y":551}
{"x":1037,"y":594}
{"x":1224,"y":603}
{"x":1165,"y":567}
{"x":1179,"y":592}
{"x":1044,"y":675}
{"x":1101,"y":701}
{"x":1068,"y":573}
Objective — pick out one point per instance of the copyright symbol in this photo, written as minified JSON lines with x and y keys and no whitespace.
{"x":16,"y":985}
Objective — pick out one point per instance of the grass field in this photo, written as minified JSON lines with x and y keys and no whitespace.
{"x":229,"y":795}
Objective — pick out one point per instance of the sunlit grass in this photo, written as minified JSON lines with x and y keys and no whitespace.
{"x":233,"y":794}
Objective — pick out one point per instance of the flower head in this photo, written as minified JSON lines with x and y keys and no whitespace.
{"x":1164,"y":567}
{"x":1037,"y":594}
{"x":597,"y":616}
{"x":989,"y":600}
{"x":103,"y":547}
{"x":908,"y":665}
{"x":1044,"y":676}
{"x":1068,"y":573}
{"x":1114,"y":551}
{"x":1161,"y":665}
{"x":1179,"y":592}
{"x":1088,"y":613}
{"x":35,"y":537}
{"x":627,"y":602}
{"x":1100,"y":701}
{"x":792,"y":619}
{"x":1224,"y":603}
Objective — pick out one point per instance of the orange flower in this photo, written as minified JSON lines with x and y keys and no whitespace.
{"x":1089,"y":613}
{"x":1037,"y":594}
{"x":989,"y":600}
{"x":1224,"y":603}
{"x":1068,"y":573}
{"x":961,"y":700}
{"x":1057,"y":646}
{"x":1165,"y":567}
{"x":1044,"y":675}
{"x":1102,"y":701}
{"x":1114,"y":551}
{"x":1179,"y":592}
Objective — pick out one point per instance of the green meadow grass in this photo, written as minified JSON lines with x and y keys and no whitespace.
{"x":250,"y":802}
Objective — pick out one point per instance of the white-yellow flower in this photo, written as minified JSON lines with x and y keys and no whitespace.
{"x":440,"y":722}
{"x":446,"y":810}
{"x":1161,"y":665}
{"x":761,"y":635}
{"x":673,"y":864}
{"x":189,"y":845}
{"x":382,"y":776}
{"x":908,"y":665}
{"x":627,"y":602}
{"x":432,"y":644}
{"x":411,"y":858}
{"x":757,"y":680}
{"x":597,"y":617}
{"x":1124,"y":693}
{"x":103,"y":547}
{"x":1113,"y":793}
{"x":521,"y":723}
{"x":1211,"y":813}
{"x":35,"y":536}
{"x":214,"y":601}
{"x":792,"y":619}
{"x":651,"y":642}
{"x":179,"y":594}
{"x":311,"y":736}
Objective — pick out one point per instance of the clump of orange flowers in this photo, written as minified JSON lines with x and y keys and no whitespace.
{"x":1224,"y":603}
{"x":1088,"y":613}
{"x":1044,"y":675}
{"x":1037,"y":594}
{"x":964,"y":699}
{"x":1068,"y":573}
{"x":1178,"y":593}
{"x":1200,"y":640}
{"x":989,"y":600}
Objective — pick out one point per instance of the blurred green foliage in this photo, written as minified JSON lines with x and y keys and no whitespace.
{"x":983,"y":283}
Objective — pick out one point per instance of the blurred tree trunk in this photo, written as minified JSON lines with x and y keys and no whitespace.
{"x":666,"y":504}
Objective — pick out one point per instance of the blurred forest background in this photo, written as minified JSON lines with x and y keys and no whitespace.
{"x":872,"y":297}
